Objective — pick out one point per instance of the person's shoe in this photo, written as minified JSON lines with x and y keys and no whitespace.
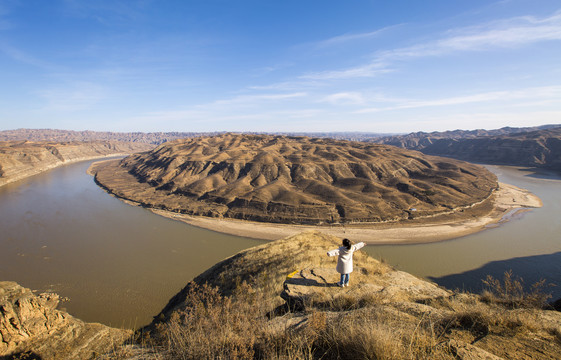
{"x":340,"y":284}
{"x":345,"y":285}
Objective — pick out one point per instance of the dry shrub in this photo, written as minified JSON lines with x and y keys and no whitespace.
{"x":476,"y":322}
{"x":213,"y":326}
{"x":377,"y":334}
{"x":511,"y":292}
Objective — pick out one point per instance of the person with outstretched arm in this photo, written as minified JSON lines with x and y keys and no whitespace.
{"x":345,"y":260}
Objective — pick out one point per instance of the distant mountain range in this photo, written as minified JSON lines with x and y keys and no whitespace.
{"x":538,"y":146}
{"x":531,"y":146}
{"x":154,"y":138}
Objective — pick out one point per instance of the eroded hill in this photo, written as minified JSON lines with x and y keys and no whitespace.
{"x":295,"y":180}
{"x":536,"y":147}
{"x":20,"y":159}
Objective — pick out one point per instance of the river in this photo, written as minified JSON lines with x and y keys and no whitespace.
{"x":120,"y":264}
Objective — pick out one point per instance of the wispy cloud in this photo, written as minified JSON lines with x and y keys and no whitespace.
{"x":253,"y":99}
{"x":346,"y":38}
{"x":368,"y":70}
{"x":544,"y":94}
{"x":105,"y":12}
{"x":513,"y":32}
{"x":343,"y":98}
{"x":6,"y":9}
{"x":509,"y":33}
{"x":23,"y":57}
{"x":72,"y":97}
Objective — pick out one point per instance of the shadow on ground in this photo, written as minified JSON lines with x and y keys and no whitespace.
{"x":27,"y":355}
{"x":535,"y":268}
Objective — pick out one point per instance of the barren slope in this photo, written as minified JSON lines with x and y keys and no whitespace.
{"x":20,"y":159}
{"x":295,"y":180}
{"x":539,"y":147}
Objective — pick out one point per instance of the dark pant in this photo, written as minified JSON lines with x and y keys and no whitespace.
{"x":344,"y":279}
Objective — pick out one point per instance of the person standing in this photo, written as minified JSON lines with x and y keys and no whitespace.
{"x":345,"y":260}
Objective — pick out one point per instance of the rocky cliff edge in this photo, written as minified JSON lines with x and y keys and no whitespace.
{"x":32,"y":327}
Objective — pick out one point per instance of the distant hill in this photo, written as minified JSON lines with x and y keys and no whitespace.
{"x":158,"y":138}
{"x":154,"y":138}
{"x":21,"y":159}
{"x":295,"y":180}
{"x":534,"y":146}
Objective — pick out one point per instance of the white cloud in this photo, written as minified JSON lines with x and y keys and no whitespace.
{"x":545,"y":94}
{"x":513,"y":32}
{"x":343,"y":98}
{"x":368,"y":70}
{"x":253,"y":99}
{"x":509,"y":33}
{"x":342,"y":39}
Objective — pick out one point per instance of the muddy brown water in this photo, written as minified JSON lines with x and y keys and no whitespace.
{"x":119,"y":264}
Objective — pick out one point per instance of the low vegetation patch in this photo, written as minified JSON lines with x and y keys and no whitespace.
{"x":513,"y":293}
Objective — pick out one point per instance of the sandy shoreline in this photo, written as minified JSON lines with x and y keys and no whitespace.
{"x":508,"y":201}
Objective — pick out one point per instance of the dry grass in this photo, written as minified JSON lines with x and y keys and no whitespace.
{"x":241,"y":326}
{"x":235,"y":314}
{"x":511,"y":292}
{"x":236,"y":327}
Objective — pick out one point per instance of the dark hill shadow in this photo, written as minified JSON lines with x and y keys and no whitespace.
{"x":530,"y":268}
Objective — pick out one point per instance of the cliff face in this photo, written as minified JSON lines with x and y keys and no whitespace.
{"x":20,"y":159}
{"x":31,"y":324}
{"x":535,"y":148}
{"x":295,"y":180}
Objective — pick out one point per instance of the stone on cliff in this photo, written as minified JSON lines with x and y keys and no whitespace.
{"x":319,"y":285}
{"x":31,"y":324}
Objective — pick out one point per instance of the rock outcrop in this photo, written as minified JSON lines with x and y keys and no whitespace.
{"x":313,"y":286}
{"x":20,"y":159}
{"x":32,"y":325}
{"x":282,"y":179}
{"x":384,"y":313}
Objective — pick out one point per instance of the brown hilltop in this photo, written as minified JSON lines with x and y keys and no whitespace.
{"x":295,"y":180}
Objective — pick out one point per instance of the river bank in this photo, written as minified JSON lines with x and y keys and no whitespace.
{"x":508,"y":201}
{"x":22,"y":159}
{"x":501,"y":206}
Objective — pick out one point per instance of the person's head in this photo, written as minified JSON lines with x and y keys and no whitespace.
{"x":347,"y":243}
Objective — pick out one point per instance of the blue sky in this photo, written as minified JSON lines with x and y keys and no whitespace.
{"x":291,"y":65}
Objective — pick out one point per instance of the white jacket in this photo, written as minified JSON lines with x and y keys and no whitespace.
{"x":345,"y":260}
